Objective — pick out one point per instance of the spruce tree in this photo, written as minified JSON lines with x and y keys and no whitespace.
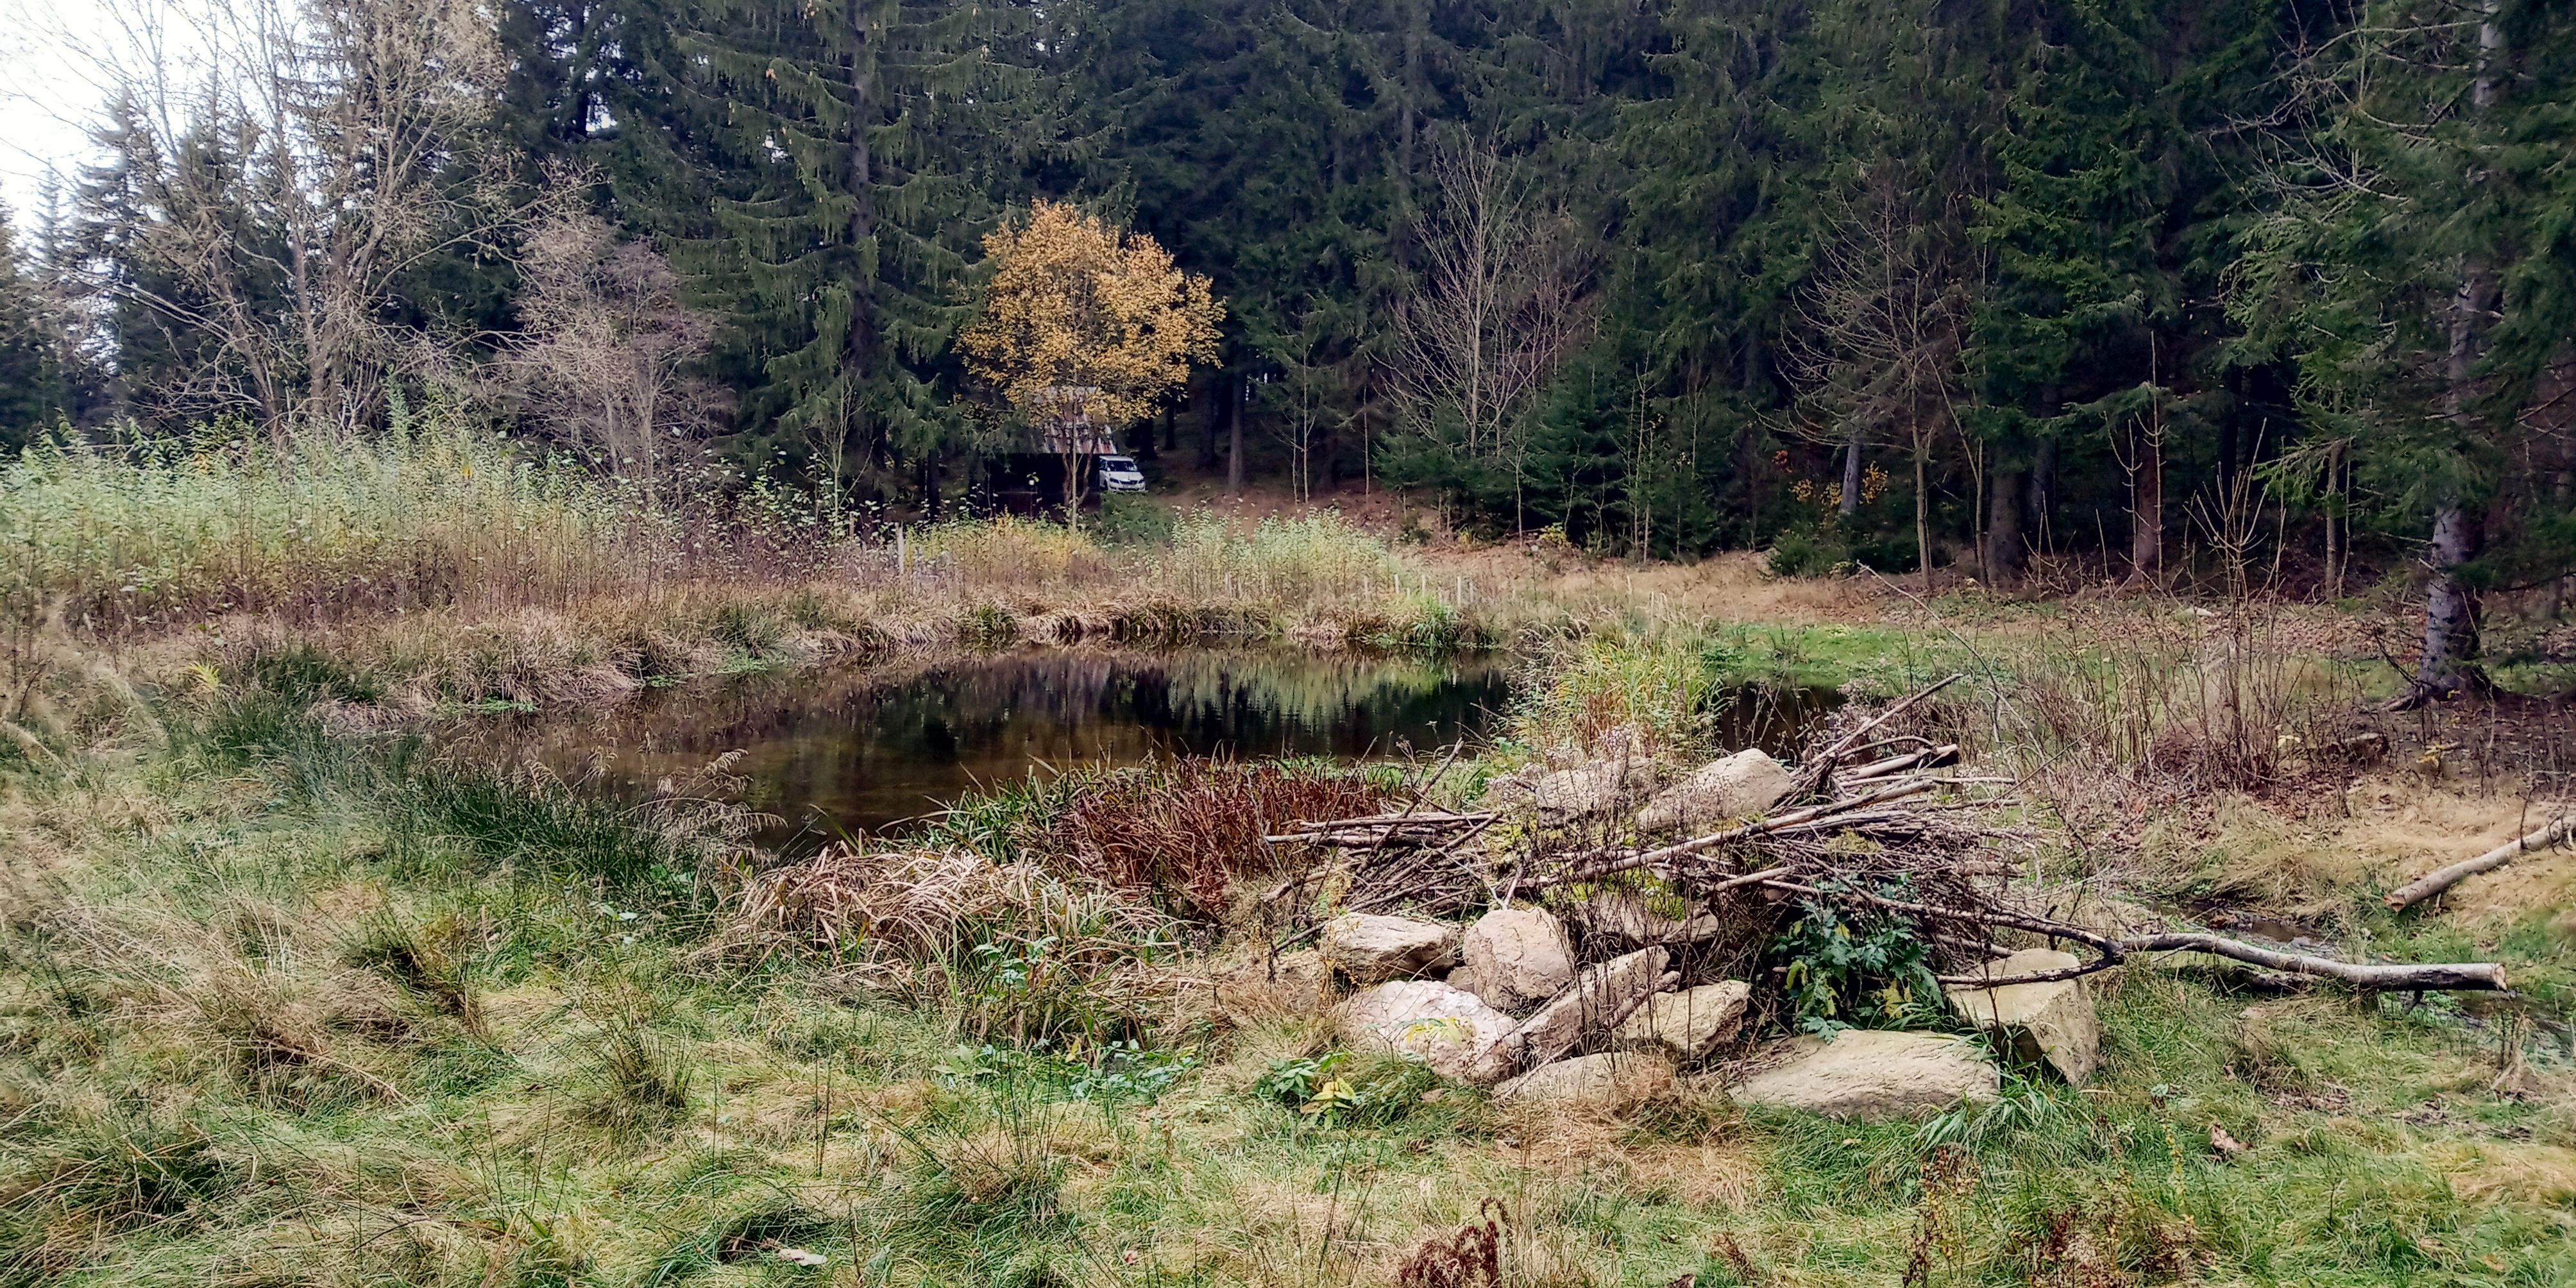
{"x":863,"y":146}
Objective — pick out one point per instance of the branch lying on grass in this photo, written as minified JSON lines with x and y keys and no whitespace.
{"x":1374,"y":830}
{"x":2377,"y":977}
{"x":2441,"y":879}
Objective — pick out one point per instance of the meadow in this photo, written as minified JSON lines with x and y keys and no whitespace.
{"x":291,"y":993}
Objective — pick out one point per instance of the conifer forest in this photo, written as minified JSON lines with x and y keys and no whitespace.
{"x":1288,"y":643}
{"x":2268,"y":291}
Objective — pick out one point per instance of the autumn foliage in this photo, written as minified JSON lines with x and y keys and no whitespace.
{"x":1081,"y":321}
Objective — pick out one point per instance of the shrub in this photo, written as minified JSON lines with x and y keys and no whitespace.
{"x":1809,"y":550}
{"x":1657,"y":689}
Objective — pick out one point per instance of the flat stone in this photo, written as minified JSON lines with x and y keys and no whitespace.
{"x":1745,"y":784}
{"x":1515,"y":956}
{"x":1452,"y":1030}
{"x":2053,"y":1022}
{"x":1370,"y":948}
{"x":1689,"y":1023}
{"x":1873,"y":1075}
{"x":1611,"y":1080}
{"x":1585,"y":1008}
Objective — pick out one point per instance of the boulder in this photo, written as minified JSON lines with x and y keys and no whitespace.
{"x":1370,"y":948}
{"x":1612,"y":1080}
{"x":1515,"y":956}
{"x":2054,"y":1022}
{"x":1630,"y":919}
{"x":1872,"y":1075}
{"x":1747,"y":783}
{"x":1598,"y":787}
{"x":1690,"y":1023}
{"x":1452,"y":1030}
{"x":1586,"y":1008}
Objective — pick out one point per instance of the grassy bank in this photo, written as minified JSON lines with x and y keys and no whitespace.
{"x":289,"y":996}
{"x":441,"y":568}
{"x":288,"y":1005}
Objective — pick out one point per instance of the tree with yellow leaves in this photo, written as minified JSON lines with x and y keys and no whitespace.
{"x":1086,"y":326}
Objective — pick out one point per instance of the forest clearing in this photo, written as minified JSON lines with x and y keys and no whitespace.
{"x":1262,"y":642}
{"x":306,"y":984}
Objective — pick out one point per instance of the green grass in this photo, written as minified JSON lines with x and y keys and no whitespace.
{"x":1868,"y":661}
{"x":280,"y":1005}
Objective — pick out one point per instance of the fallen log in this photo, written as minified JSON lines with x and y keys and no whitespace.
{"x":2390,"y":977}
{"x":1929,"y":758}
{"x":2441,"y":879}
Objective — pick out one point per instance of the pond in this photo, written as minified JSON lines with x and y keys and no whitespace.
{"x":836,"y":751}
{"x":864,"y":749}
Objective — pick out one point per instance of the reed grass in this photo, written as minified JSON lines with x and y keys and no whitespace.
{"x":143,"y":533}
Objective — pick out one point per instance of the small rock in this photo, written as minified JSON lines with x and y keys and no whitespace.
{"x":1630,"y":919}
{"x":1451,"y":1029}
{"x":1747,"y":783}
{"x":1370,"y":948}
{"x":1689,"y":1023}
{"x":1874,"y":1074}
{"x":2054,"y":1022}
{"x":1516,"y":956}
{"x":1587,"y":1007}
{"x":1611,"y":1080}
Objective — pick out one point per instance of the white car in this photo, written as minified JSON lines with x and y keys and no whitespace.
{"x":1119,"y":474}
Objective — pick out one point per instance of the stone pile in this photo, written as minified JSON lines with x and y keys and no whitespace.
{"x":1520,"y":1015}
{"x":1507,"y":1000}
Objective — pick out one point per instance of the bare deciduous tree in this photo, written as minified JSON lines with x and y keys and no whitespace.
{"x":1881,"y":328}
{"x":287,"y":173}
{"x":1302,"y":399}
{"x":1502,"y":296}
{"x":604,"y":349}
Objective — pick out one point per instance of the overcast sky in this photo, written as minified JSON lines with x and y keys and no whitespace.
{"x":53,"y":56}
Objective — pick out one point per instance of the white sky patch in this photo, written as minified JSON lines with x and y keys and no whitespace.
{"x":59,"y":62}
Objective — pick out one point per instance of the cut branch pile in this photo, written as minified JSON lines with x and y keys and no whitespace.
{"x":1878,"y":839}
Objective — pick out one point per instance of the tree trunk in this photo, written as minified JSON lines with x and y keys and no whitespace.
{"x":860,"y":344}
{"x":1234,"y":435}
{"x":2449,"y":665}
{"x":2043,"y":493}
{"x":1922,"y":521}
{"x":1849,"y":505}
{"x":2147,"y":509}
{"x":2003,"y":527}
{"x":2333,"y":502}
{"x":1212,"y":406}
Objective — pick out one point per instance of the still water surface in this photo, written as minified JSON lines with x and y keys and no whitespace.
{"x":829,"y":751}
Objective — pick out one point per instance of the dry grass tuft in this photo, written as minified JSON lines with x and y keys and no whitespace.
{"x":1002,"y":949}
